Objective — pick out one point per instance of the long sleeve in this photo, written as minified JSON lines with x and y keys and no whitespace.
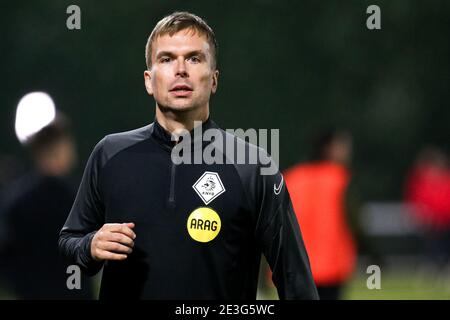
{"x":280,"y":237}
{"x":85,"y":217}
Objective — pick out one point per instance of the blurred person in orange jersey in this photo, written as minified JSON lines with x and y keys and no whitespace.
{"x":318,"y":190}
{"x":428,"y":190}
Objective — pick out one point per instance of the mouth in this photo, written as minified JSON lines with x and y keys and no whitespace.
{"x":181,"y":90}
{"x":181,"y":87}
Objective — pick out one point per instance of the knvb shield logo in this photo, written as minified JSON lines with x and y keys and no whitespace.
{"x":209,"y":186}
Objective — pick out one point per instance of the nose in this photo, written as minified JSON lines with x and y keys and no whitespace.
{"x":181,"y":70}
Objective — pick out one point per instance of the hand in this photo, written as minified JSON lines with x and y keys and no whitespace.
{"x":114,"y":241}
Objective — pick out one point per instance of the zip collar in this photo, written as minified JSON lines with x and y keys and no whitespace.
{"x":165,"y":138}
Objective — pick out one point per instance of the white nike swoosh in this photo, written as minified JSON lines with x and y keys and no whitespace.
{"x":278,"y":190}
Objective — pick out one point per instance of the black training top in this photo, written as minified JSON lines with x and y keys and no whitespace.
{"x":201,"y":228}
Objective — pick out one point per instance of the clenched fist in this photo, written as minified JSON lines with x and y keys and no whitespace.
{"x":114,"y":241}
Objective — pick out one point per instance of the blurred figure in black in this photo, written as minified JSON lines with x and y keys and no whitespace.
{"x":34,"y":210}
{"x":11,"y":168}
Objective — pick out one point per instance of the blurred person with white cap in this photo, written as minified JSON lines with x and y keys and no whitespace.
{"x":36,"y":204}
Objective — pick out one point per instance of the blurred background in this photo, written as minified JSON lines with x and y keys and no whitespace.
{"x":300,"y":66}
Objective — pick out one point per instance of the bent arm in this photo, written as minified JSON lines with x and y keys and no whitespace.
{"x":85,"y":218}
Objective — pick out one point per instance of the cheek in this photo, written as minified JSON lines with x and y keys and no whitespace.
{"x":206,"y":80}
{"x":158,"y":82}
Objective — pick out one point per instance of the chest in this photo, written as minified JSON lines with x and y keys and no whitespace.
{"x":189,"y":201}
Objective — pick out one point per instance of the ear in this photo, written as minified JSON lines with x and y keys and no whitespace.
{"x":148,"y":82}
{"x":215,"y":81}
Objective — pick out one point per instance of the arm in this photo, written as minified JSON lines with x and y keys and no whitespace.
{"x":280,"y":237}
{"x":85,"y":239}
{"x":85,"y":217}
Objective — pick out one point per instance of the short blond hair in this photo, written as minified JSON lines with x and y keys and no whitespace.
{"x":176,"y":22}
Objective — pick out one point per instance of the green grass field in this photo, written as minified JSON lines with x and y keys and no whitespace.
{"x":395,"y":285}
{"x":401,"y":286}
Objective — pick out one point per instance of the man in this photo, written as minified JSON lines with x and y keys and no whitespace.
{"x":35,"y":207}
{"x":164,"y":230}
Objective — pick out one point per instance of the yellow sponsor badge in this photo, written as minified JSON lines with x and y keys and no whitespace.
{"x":203,"y":224}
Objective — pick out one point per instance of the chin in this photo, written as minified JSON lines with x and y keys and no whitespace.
{"x":177,"y":107}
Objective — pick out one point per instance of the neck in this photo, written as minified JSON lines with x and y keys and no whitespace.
{"x":174,"y":121}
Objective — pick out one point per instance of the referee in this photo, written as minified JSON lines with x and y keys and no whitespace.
{"x":163,"y":230}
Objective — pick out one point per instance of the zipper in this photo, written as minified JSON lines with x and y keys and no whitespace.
{"x":172,"y":184}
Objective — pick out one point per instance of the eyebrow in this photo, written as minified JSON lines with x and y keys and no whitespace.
{"x":189,"y":54}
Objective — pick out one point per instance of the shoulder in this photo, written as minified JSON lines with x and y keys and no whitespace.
{"x":113,"y":143}
{"x":124,"y":139}
{"x":254,"y":164}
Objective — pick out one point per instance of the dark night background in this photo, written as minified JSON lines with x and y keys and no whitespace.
{"x":297,"y":66}
{"x":294,"y":65}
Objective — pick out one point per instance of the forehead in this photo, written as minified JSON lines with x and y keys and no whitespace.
{"x":181,"y":42}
